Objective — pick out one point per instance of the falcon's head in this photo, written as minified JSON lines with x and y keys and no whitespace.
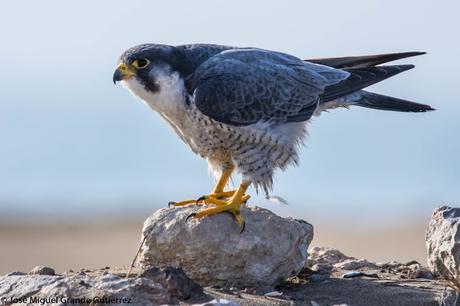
{"x":146,"y":67}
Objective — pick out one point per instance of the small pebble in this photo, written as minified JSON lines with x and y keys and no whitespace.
{"x":274,"y":293}
{"x":319,"y":278}
{"x":250,"y":290}
{"x":322,"y":268}
{"x":359,"y":273}
{"x":219,"y":302}
{"x":42,"y":270}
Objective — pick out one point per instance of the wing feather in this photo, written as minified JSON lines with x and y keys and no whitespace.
{"x":245,"y":86}
{"x":362,"y":61}
{"x":361,"y":78}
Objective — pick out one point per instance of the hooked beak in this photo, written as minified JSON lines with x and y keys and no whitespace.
{"x":122,"y":72}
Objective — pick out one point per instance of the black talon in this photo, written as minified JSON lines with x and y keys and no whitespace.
{"x":200,"y":199}
{"x":171,"y":204}
{"x":189,"y":216}
{"x":243,"y":227}
{"x":234,"y":216}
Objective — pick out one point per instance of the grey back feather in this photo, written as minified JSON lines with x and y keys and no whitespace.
{"x":245,"y":86}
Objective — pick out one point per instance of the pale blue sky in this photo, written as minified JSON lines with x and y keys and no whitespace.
{"x":73,"y":142}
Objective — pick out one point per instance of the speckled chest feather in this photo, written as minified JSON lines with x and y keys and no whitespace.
{"x":255,"y":150}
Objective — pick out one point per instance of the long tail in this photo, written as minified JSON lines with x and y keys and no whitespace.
{"x":359,"y":79}
{"x":364,"y":71}
{"x":376,"y":101}
{"x":382,"y":102}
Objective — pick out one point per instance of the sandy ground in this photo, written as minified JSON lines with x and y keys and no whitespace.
{"x":90,"y":244}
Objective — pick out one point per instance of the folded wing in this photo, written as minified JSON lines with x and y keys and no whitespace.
{"x":245,"y":86}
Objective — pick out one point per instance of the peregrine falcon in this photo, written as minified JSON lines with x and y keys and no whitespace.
{"x":245,"y":109}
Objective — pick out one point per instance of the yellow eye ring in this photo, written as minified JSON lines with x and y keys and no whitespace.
{"x":140,"y":63}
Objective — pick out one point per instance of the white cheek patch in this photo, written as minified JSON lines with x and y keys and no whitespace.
{"x":137,"y":89}
{"x":169,"y":100}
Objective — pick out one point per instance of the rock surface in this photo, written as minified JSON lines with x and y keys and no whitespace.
{"x":323,"y":259}
{"x":212,"y":251}
{"x":322,"y":262}
{"x":443,"y":243}
{"x":326,"y":256}
{"x":387,"y":286}
{"x":42,"y":270}
{"x":106,"y":289}
{"x":174,"y":280}
{"x":355,"y":264}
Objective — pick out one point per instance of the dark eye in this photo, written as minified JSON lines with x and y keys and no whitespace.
{"x":141,"y":63}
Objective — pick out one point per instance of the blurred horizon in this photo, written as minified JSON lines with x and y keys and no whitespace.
{"x":73,"y":144}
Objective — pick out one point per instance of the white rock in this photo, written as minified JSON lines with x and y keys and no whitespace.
{"x":218,"y":302}
{"x":418,"y":271}
{"x":443,"y":243}
{"x":42,"y":270}
{"x":59,"y":290}
{"x":274,"y":293}
{"x":326,"y":256}
{"x":324,"y":259}
{"x":355,"y":264}
{"x":212,"y":251}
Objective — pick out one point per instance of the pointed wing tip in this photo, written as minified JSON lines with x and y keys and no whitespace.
{"x":417,"y":53}
{"x":363,"y":61}
{"x":425,"y":108}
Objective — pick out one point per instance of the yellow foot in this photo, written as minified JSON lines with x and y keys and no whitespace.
{"x":209,"y":199}
{"x":231,"y":206}
{"x":219,"y":195}
{"x":181,"y":203}
{"x":216,"y":198}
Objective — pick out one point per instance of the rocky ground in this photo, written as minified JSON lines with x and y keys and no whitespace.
{"x":257,"y":267}
{"x":331,"y":278}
